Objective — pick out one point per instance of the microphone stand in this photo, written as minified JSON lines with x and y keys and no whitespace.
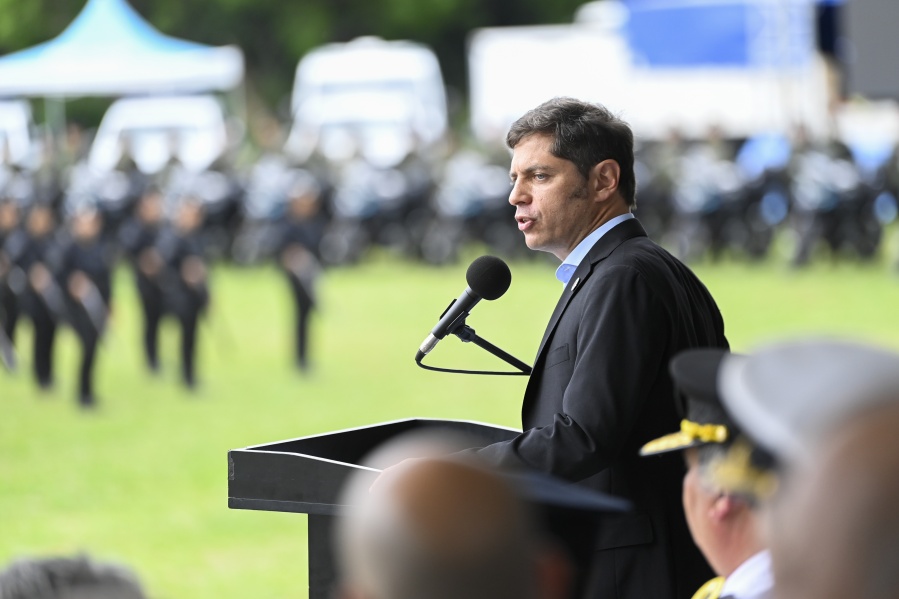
{"x":468,"y":335}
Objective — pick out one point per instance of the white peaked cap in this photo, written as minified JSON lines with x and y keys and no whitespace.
{"x":787,"y":395}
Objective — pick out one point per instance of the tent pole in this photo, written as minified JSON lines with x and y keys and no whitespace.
{"x":54,"y":134}
{"x":238,"y":104}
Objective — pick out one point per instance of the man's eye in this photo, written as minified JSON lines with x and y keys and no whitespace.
{"x":540,"y":176}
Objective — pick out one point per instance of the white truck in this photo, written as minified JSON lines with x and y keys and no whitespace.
{"x":744,"y":66}
{"x":379,"y":98}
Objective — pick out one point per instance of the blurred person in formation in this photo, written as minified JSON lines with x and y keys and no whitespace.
{"x":657,"y":167}
{"x":29,"y":254}
{"x":823,"y":176}
{"x":180,"y":266}
{"x":137,"y":183}
{"x":75,"y":145}
{"x":725,"y":522}
{"x":825,"y":413}
{"x":298,"y":255}
{"x":600,"y":389}
{"x":84,"y":273}
{"x":167,"y":176}
{"x":705,"y":194}
{"x":15,"y":181}
{"x":444,"y":528}
{"x":10,"y":218}
{"x":889,"y":174}
{"x":138,"y":238}
{"x":68,"y":578}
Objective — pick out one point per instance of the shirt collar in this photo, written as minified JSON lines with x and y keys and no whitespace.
{"x":751,"y":579}
{"x":570,"y":264}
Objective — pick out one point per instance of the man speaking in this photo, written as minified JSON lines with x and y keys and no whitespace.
{"x":600,"y":387}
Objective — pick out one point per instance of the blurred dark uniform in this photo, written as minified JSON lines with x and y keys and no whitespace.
{"x":890,"y":177}
{"x":658,"y":168}
{"x":120,"y":190}
{"x":707,"y":186}
{"x":184,"y":280}
{"x":298,"y":255}
{"x":824,"y":178}
{"x":30,"y":251}
{"x":138,"y":238}
{"x":84,"y":273}
{"x":9,"y":306}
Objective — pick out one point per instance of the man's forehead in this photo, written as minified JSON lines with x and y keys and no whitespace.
{"x":534,"y":152}
{"x":534,"y":140}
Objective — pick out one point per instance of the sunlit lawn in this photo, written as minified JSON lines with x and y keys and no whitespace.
{"x":143,"y":480}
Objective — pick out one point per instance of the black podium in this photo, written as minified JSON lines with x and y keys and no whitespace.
{"x":306,"y":475}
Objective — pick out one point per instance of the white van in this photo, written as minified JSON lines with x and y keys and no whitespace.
{"x":381,"y":99}
{"x":191,"y":129}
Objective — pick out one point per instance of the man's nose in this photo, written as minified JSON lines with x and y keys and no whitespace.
{"x":517,"y":194}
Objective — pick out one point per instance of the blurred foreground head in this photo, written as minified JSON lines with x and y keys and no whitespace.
{"x":67,"y":578}
{"x":443,"y":528}
{"x":836,"y":533}
{"x":828,"y":411}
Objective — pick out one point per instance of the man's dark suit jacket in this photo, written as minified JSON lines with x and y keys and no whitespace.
{"x":600,"y":389}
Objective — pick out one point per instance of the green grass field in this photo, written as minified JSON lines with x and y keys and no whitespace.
{"x":143,"y":479}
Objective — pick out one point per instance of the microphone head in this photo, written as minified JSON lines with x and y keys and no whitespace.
{"x":488,"y":277}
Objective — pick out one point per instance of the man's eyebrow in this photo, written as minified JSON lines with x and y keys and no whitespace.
{"x":531,"y":169}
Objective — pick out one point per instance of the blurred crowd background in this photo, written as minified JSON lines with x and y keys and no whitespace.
{"x":753,"y":118}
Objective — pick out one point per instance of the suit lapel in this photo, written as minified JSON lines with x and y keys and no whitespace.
{"x":606,"y":245}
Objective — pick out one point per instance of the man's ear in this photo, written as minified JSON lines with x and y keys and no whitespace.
{"x":604,"y":177}
{"x":724,"y":507}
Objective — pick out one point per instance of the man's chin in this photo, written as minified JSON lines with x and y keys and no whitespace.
{"x":537,"y":245}
{"x":532,"y":242}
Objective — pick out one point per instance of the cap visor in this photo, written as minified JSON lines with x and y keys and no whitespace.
{"x":673,"y":442}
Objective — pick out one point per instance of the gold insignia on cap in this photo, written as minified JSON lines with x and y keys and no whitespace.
{"x":707,"y":433}
{"x":690,"y":434}
{"x":736,"y":473}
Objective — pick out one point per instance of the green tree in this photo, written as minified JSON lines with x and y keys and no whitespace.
{"x":274,"y":34}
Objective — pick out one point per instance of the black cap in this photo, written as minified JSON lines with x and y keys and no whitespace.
{"x":695,"y":376}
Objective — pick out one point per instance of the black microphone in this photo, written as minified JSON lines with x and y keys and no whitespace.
{"x":488,"y":278}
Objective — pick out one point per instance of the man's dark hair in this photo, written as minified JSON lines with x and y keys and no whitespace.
{"x":585,"y":134}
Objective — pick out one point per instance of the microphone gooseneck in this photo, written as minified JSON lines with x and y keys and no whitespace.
{"x":488,"y":277}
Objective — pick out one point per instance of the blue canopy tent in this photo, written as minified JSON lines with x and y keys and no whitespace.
{"x":110,"y":50}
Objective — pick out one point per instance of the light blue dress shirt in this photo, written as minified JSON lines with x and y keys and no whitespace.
{"x":567,"y":268}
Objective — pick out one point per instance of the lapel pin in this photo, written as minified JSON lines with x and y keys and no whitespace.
{"x":574,"y":285}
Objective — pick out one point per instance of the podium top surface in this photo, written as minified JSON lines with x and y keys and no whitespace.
{"x":307,"y":474}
